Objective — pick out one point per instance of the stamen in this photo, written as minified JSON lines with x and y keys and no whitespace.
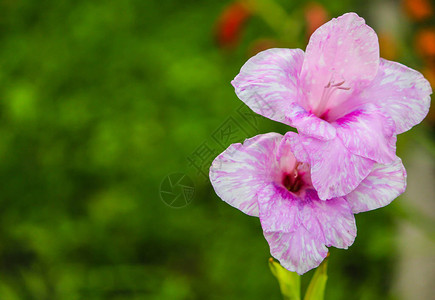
{"x":328,"y":90}
{"x":337,"y":84}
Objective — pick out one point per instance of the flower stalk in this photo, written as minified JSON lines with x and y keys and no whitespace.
{"x":290,"y":282}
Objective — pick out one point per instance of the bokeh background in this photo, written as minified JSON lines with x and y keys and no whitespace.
{"x":101,"y":101}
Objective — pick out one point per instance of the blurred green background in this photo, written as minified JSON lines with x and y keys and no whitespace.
{"x":101,"y":100}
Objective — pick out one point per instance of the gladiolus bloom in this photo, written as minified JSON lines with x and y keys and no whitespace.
{"x":347,"y":104}
{"x":269,"y":177}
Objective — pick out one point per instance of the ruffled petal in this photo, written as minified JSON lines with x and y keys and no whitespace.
{"x":241,"y":171}
{"x":298,"y":248}
{"x":308,"y":123}
{"x":269,"y":82}
{"x":335,"y":218}
{"x":343,"y":49}
{"x":297,"y":227}
{"x":368,"y":132}
{"x":379,"y":188}
{"x":335,"y":171}
{"x":403,"y":93}
{"x":278,"y":209}
{"x":298,"y":251}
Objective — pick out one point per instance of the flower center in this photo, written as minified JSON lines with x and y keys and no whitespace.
{"x":292,"y":181}
{"x":328,"y":90}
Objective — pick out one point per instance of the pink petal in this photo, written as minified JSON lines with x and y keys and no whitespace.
{"x":344,"y":49}
{"x":269,"y":82}
{"x":368,"y":132}
{"x":401,"y":92}
{"x":298,"y":228}
{"x":335,"y":171}
{"x":293,"y":144}
{"x":298,"y":248}
{"x":298,"y":251}
{"x":337,"y":221}
{"x":279,"y":209}
{"x":379,"y":188}
{"x":287,"y":161}
{"x":241,"y":171}
{"x":308,"y":123}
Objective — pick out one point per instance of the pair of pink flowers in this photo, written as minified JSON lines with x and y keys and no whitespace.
{"x":348,"y":105}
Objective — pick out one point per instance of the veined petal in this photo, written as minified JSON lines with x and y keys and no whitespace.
{"x":241,"y":171}
{"x":379,"y":188}
{"x":344,"y":49}
{"x":269,"y":82}
{"x":335,"y":171}
{"x":297,"y":247}
{"x":297,"y":227}
{"x":278,"y":209}
{"x":298,"y":251}
{"x":292,"y":140}
{"x":401,"y":92}
{"x":368,"y":132}
{"x":308,"y":123}
{"x":335,"y":218}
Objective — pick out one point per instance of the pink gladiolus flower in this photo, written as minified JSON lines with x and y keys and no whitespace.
{"x":347,"y":104}
{"x":269,"y":177}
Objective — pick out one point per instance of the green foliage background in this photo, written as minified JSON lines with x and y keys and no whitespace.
{"x":99,"y":101}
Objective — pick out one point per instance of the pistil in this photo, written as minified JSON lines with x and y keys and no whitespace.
{"x":292,"y":181}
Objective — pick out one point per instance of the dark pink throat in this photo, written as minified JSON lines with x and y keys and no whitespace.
{"x":292,"y":182}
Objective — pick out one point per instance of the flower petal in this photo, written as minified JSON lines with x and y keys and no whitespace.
{"x":241,"y":171}
{"x":308,"y":123}
{"x":336,"y":220}
{"x":298,"y":248}
{"x":278,"y":209}
{"x":269,"y":82}
{"x":379,"y":188}
{"x":368,"y":132}
{"x":298,"y":251}
{"x":344,"y":49}
{"x":401,"y":92}
{"x":293,"y":144}
{"x":335,"y":171}
{"x":298,"y":227}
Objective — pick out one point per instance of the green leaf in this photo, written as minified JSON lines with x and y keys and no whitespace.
{"x":316,"y":289}
{"x":289,"y":282}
